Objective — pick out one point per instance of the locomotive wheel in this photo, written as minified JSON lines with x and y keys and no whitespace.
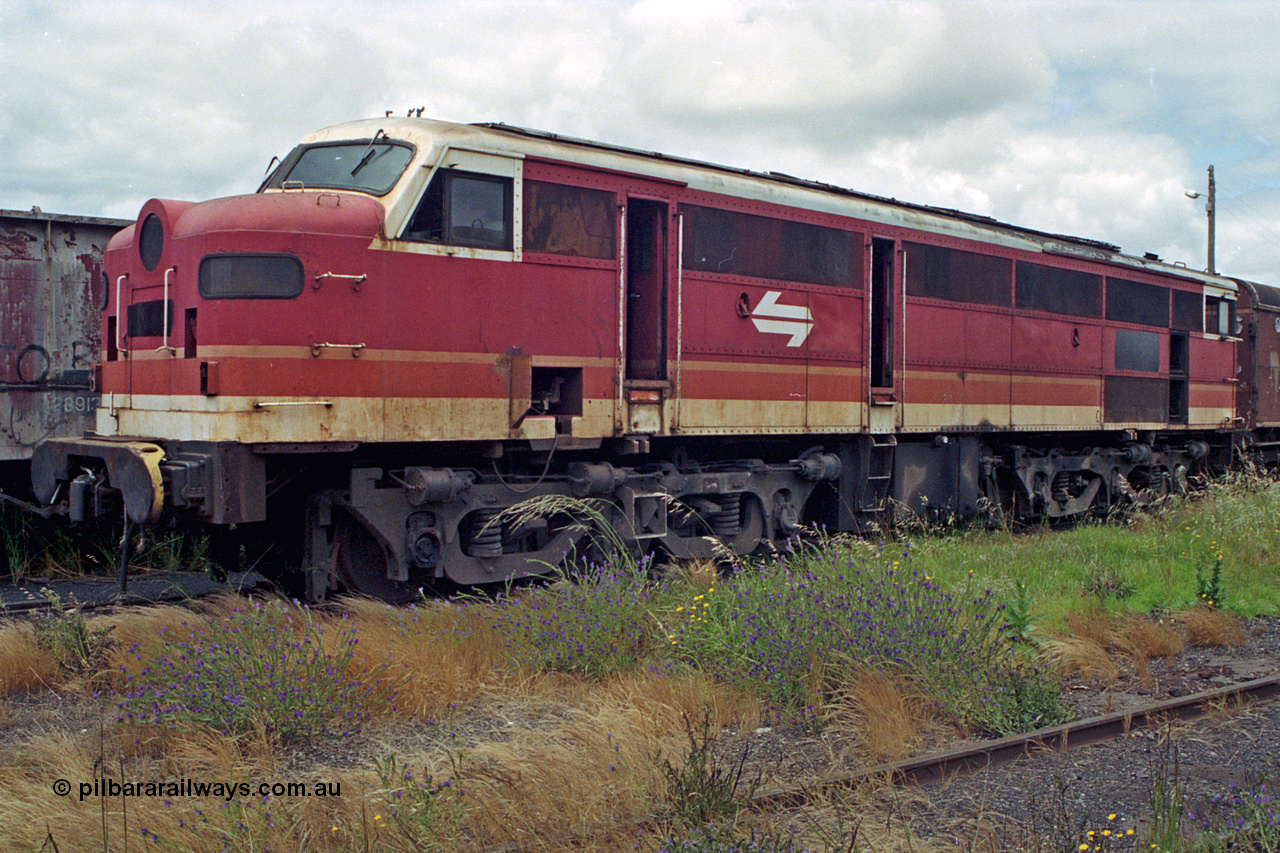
{"x":361,"y":563}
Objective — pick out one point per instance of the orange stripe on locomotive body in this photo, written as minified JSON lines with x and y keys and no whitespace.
{"x":297,"y":371}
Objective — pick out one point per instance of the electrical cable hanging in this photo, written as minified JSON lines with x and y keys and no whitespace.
{"x":545,"y":468}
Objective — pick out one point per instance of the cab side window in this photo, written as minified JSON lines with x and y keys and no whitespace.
{"x":464,"y":209}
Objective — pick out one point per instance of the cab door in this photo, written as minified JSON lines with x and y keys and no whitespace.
{"x":884,"y":338}
{"x":646,"y":275}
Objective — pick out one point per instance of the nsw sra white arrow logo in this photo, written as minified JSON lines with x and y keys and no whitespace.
{"x":774,"y":319}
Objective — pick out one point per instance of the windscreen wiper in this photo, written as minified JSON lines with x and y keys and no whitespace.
{"x":368,"y":153}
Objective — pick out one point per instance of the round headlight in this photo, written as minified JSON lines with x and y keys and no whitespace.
{"x":151,"y":242}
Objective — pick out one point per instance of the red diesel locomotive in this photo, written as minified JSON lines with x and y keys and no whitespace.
{"x":414,"y":326}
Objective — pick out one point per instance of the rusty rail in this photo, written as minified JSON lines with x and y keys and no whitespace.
{"x":984,"y":756}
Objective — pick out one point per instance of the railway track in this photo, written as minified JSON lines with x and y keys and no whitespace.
{"x":992,"y":754}
{"x":989,"y":755}
{"x":37,"y":594}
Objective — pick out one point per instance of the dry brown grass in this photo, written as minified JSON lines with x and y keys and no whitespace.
{"x":1096,"y":635}
{"x":1098,"y":632}
{"x":137,"y":627}
{"x":574,"y":756}
{"x":1093,"y":624}
{"x":30,"y":810}
{"x":1080,"y":657}
{"x":1144,"y":638}
{"x":590,"y":764}
{"x":599,"y":765}
{"x":24,"y":665}
{"x":593,"y":770}
{"x":1205,"y":626}
{"x":885,"y":713}
{"x":442,"y":655}
{"x":700,"y":575}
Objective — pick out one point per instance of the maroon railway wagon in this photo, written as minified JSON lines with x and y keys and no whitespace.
{"x":414,"y":326}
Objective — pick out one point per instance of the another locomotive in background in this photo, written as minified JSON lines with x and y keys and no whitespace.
{"x":414,"y":326}
{"x":51,"y":288}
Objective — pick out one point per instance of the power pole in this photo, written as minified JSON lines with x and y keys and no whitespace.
{"x":1208,"y":208}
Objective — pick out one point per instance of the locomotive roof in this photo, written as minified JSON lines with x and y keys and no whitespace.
{"x":774,"y":187}
{"x":1264,"y":295}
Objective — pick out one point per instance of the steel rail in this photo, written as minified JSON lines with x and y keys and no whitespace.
{"x":99,"y":593}
{"x":991,"y":754}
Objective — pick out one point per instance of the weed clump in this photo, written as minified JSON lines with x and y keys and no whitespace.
{"x":797,"y":629}
{"x":1209,"y":589}
{"x":65,"y":635}
{"x":595,"y":625}
{"x":420,"y":812}
{"x":266,"y":667}
{"x":703,"y":788}
{"x":1243,"y":818}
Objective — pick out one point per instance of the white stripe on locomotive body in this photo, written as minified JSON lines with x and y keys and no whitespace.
{"x":434,"y":138}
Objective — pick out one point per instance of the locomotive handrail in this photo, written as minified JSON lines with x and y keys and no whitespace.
{"x":355,"y":348}
{"x":619,"y":414}
{"x":120,"y":347}
{"x":356,"y":280}
{"x":675,"y":417}
{"x":903,"y":323}
{"x":164,"y":312}
{"x":258,"y":404}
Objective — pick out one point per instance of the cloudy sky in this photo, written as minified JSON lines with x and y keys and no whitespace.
{"x":1088,"y":118}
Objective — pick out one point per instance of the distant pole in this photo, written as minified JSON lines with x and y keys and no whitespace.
{"x":1209,"y":210}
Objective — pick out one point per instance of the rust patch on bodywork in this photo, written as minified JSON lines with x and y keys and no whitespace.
{"x":50,"y":328}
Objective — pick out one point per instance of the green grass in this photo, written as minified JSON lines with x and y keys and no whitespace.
{"x":1149,"y":563}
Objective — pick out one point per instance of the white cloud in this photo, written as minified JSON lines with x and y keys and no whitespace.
{"x":1083,"y":117}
